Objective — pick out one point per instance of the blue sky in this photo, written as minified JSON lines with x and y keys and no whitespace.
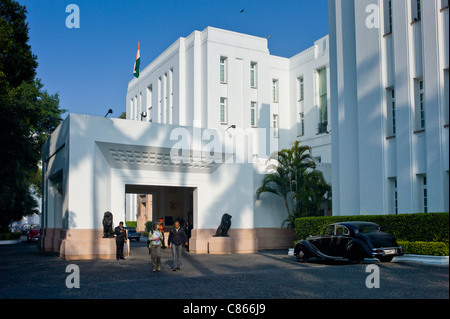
{"x":90,"y":67}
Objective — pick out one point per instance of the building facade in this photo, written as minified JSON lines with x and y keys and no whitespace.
{"x":202,"y":120}
{"x":390,"y":106}
{"x":218,"y":78}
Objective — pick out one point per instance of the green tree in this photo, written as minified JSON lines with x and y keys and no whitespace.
{"x":297,"y":181}
{"x":28,"y":114}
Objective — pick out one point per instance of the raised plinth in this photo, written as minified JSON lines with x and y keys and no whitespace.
{"x":221,"y":245}
{"x":79,"y":244}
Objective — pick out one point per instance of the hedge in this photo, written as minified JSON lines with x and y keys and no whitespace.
{"x":425,"y":227}
{"x":10,"y":236}
{"x":425,"y":248}
{"x":130,"y":223}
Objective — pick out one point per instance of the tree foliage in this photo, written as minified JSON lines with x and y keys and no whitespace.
{"x":296,"y":180}
{"x":28,"y":114}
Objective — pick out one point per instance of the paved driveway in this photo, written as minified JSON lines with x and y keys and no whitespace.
{"x":27,"y":273}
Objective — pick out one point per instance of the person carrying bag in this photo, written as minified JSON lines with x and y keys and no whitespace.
{"x":154,"y":239}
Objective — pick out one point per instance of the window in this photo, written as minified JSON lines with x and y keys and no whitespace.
{"x":425,"y":194}
{"x":342,"y":230}
{"x":387,"y":5}
{"x":275,"y":125}
{"x":301,"y":90}
{"x":329,"y":230}
{"x":223,"y":110}
{"x":419,"y":9}
{"x":136,"y":107}
{"x":131,"y":115}
{"x":323,"y":98}
{"x":420,"y":104}
{"x":444,"y":4}
{"x":393,"y":111}
{"x":301,"y":128}
{"x":253,"y":114}
{"x":223,"y":69}
{"x":446,"y":97}
{"x":390,"y":94}
{"x":164,"y":102}
{"x":416,"y":10}
{"x":149,"y":102}
{"x":390,"y":15}
{"x":253,"y":74}
{"x":159,"y":100}
{"x":395,"y":197}
{"x":170,"y":100}
{"x":275,"y":91}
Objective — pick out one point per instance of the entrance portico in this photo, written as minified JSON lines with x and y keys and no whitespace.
{"x":90,"y":163}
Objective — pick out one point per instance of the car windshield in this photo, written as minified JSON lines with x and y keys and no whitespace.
{"x":368,"y":228}
{"x":131,"y":229}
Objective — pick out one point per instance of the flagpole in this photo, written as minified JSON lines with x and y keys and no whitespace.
{"x":139,"y":87}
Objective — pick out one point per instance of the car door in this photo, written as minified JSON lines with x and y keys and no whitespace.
{"x":339,"y":241}
{"x":326,"y":239}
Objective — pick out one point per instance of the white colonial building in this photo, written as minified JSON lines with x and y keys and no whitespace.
{"x":216,"y":78}
{"x":390,"y":106}
{"x":216,"y":104}
{"x":229,"y":81}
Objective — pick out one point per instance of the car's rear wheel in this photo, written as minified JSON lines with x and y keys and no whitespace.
{"x":302,"y":255}
{"x":355,"y":255}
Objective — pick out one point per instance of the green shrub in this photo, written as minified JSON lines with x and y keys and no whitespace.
{"x":10,"y":236}
{"x":148,"y":226}
{"x":425,"y":248}
{"x":130,"y":223}
{"x":426,"y":227}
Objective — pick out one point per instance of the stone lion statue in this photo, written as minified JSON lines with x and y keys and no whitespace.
{"x":107,"y":225}
{"x":222,"y":230}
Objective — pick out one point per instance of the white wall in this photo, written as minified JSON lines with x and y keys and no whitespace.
{"x":366,"y":63}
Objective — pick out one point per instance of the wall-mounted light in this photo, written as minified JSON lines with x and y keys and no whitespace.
{"x":231,"y":126}
{"x":110,"y":111}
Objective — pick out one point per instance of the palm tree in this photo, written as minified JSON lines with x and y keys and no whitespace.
{"x":296,"y":180}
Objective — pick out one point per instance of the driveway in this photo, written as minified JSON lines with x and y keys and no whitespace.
{"x":27,"y":273}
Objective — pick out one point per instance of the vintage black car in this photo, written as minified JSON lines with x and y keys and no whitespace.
{"x":349,"y":241}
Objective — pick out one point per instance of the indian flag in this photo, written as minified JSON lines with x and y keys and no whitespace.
{"x":137,"y":63}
